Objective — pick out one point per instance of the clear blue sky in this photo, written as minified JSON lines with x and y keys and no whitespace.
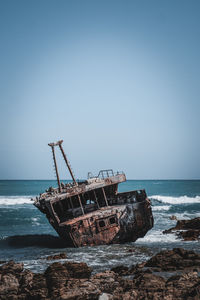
{"x":119,"y":81}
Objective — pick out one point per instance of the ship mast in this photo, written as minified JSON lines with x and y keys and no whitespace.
{"x":59,"y":143}
{"x":55,"y":164}
{"x":67,"y":162}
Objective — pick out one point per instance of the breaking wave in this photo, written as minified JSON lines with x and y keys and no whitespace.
{"x":176,"y":200}
{"x":163,"y":207}
{"x":157,"y":236}
{"x":15,"y":200}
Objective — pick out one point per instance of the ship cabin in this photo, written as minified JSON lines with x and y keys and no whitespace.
{"x":72,"y":200}
{"x":91,"y":195}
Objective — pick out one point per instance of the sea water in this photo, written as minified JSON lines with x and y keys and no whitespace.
{"x":27,"y":236}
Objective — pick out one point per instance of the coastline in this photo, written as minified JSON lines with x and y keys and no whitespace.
{"x":170,"y":274}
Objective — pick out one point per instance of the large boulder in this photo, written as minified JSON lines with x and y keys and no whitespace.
{"x":184,"y":286}
{"x":78,"y":270}
{"x":10,"y":275}
{"x":176,"y":259}
{"x":188,"y":230}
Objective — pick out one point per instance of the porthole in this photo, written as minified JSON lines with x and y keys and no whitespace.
{"x":112,"y":220}
{"x":102,"y":224}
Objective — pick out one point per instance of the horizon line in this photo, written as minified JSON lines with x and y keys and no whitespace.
{"x":79,"y":179}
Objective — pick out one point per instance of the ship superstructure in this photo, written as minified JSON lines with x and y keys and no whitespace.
{"x":92,"y":212}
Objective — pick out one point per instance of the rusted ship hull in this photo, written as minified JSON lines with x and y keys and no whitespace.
{"x":110,"y":225}
{"x":92,"y":212}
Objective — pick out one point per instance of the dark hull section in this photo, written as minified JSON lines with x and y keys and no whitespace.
{"x":110,"y":225}
{"x":135,"y":223}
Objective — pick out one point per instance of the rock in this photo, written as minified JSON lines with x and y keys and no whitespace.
{"x":188,"y":224}
{"x":106,"y":281}
{"x":10,"y":274}
{"x":125,"y":271}
{"x":78,"y":270}
{"x":73,"y":281}
{"x":26,"y":281}
{"x":192,"y":227}
{"x":80,"y":289}
{"x":62,"y":285}
{"x":9,"y":284}
{"x":184,"y":286}
{"x":173,"y":218}
{"x":12,"y":268}
{"x":136,"y":268}
{"x":176,"y":259}
{"x":149,"y":286}
{"x":121,"y":270}
{"x":131,"y":250}
{"x":189,"y":235}
{"x":39,"y":288}
{"x":147,"y":280}
{"x":61,"y":255}
{"x":56,"y":277}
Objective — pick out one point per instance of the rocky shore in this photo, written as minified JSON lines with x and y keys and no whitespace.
{"x":188,"y":230}
{"x":170,"y":274}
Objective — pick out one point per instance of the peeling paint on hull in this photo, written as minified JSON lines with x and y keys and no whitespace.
{"x":92,"y":212}
{"x":128,"y":225}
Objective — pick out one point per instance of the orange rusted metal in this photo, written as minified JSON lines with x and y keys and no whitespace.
{"x":92,"y":212}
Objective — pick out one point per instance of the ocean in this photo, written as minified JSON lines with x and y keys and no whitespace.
{"x":26,"y":235}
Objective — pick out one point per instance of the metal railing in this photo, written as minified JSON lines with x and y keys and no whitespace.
{"x":104,"y":174}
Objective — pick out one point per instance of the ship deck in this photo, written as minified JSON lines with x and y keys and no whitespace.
{"x":98,"y":214}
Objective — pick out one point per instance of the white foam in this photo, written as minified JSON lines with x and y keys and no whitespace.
{"x":15,"y":200}
{"x":163,"y":207}
{"x":156,"y":236}
{"x":34,"y":219}
{"x":176,"y":200}
{"x":187,"y":216}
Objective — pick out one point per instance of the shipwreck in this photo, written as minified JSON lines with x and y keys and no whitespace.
{"x":93,"y":212}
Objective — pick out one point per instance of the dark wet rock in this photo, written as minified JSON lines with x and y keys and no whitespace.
{"x":173,"y":218}
{"x":176,"y":259}
{"x":106,"y":281}
{"x":10,"y":274}
{"x":9,"y":284}
{"x":184,"y":286}
{"x":131,"y":250}
{"x":12,"y":268}
{"x":189,"y":235}
{"x":136,"y":268}
{"x":62,"y":284}
{"x":38,"y":289}
{"x":188,"y":230}
{"x":56,"y":277}
{"x":78,"y":270}
{"x":121,"y":270}
{"x":61,"y":255}
{"x":80,"y":289}
{"x":149,"y":286}
{"x":125,"y":271}
{"x":73,"y":281}
{"x":188,"y":224}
